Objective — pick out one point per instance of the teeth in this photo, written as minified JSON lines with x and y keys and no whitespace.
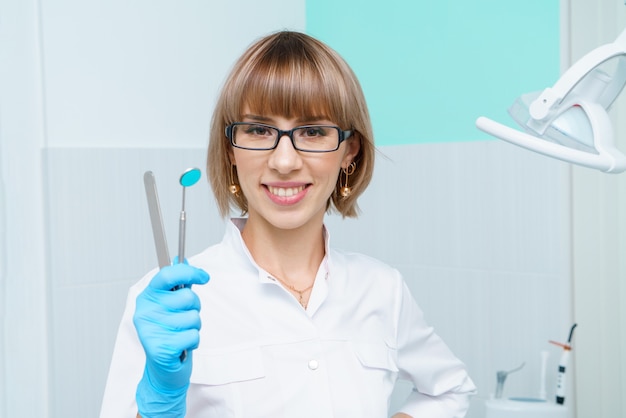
{"x":285,"y":192}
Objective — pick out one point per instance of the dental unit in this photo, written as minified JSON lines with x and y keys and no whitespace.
{"x":569,"y":121}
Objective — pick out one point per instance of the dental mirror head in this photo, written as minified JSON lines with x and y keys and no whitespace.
{"x":569,"y":121}
{"x":187,"y":179}
{"x":190,"y":177}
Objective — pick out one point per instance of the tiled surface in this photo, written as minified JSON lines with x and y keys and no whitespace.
{"x":479,"y":236}
{"x":481,"y":233}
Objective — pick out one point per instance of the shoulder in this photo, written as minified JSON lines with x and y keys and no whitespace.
{"x":213,"y":256}
{"x":355,"y":258}
{"x":363,"y":265}
{"x":359,"y":281}
{"x":222,"y":261}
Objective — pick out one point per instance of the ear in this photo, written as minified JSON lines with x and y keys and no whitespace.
{"x":231,"y":156}
{"x":353,"y":146}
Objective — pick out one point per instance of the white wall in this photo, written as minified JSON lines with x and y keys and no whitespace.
{"x":23,"y":275}
{"x":93,"y":94}
{"x":3,"y":275}
{"x":145,"y":73}
{"x":599,"y":229}
{"x":480,"y":230}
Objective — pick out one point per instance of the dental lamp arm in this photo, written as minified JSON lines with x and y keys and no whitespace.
{"x":569,"y":121}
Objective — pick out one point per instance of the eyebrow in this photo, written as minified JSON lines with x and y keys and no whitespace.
{"x":303,"y":120}
{"x":257,"y":118}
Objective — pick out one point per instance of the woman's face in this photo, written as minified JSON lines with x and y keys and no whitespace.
{"x":286,"y":188}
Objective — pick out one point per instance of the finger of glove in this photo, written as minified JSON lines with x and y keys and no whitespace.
{"x":183,"y":299}
{"x":173,"y":376}
{"x":164,"y":321}
{"x":163,"y":347}
{"x":154,"y":400}
{"x":178,"y":275}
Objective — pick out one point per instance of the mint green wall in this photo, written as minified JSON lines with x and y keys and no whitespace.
{"x":429,"y":69}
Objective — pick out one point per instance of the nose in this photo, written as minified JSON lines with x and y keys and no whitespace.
{"x":285,"y":158}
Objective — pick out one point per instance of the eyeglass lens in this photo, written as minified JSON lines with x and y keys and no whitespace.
{"x":305,"y":138}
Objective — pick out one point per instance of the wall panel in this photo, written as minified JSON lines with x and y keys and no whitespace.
{"x":480,"y":231}
{"x":100,"y":242}
{"x":599,"y":230}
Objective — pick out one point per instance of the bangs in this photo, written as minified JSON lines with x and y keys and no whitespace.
{"x":295,"y":76}
{"x":293,"y":82}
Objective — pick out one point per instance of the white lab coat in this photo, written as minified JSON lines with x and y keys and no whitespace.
{"x":262,"y":355}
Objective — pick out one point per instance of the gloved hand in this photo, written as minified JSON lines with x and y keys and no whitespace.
{"x":167,"y":323}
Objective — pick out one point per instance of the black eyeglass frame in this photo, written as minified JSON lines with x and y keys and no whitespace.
{"x":343,"y":135}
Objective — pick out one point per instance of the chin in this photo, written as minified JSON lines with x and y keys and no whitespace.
{"x":290,"y":221}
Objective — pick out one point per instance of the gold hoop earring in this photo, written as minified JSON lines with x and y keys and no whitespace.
{"x":344,"y":189}
{"x":234,"y":187}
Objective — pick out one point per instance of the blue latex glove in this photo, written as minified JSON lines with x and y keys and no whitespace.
{"x":168,"y":323}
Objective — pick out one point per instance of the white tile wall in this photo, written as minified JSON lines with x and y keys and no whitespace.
{"x":486,"y":261}
{"x":480,"y":232}
{"x":24,"y":374}
{"x":3,"y":287}
{"x":100,"y":242}
{"x":599,"y":226}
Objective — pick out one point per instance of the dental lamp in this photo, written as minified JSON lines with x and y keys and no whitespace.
{"x":569,"y":121}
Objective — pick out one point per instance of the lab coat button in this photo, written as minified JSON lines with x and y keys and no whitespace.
{"x":313,"y":364}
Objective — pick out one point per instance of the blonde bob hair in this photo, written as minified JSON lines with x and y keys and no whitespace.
{"x":290,"y":74}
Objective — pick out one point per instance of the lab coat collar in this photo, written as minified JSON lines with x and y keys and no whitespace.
{"x":320,"y":288}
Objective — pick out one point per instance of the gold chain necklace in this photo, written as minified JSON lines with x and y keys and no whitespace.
{"x":299,"y":292}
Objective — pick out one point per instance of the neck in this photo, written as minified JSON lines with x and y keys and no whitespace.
{"x":294,"y":255}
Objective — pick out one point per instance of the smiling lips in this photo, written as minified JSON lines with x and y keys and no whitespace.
{"x":286,"y":195}
{"x":285,"y":191}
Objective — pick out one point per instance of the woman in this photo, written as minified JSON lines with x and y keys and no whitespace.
{"x":289,"y":327}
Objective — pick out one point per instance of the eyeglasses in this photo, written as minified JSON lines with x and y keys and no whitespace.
{"x":310,"y":138}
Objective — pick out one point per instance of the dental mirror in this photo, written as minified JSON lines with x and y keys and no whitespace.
{"x":187,"y":179}
{"x":190,"y":177}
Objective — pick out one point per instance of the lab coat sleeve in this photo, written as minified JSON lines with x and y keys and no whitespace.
{"x":442,"y":386}
{"x":127,"y":363}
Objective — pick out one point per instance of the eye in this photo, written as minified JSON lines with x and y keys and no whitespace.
{"x":313,"y":131}
{"x":258,"y":130}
